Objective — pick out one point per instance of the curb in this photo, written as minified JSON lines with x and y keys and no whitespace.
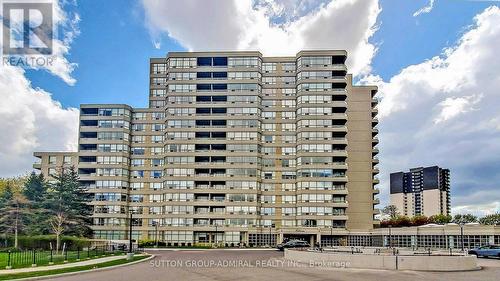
{"x":83,"y":271}
{"x":215,"y":249}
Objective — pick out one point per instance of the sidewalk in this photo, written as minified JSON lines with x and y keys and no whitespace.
{"x":59,"y":266}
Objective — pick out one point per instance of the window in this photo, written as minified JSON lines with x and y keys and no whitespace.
{"x":181,"y":62}
{"x":269,"y":67}
{"x":67,"y":160}
{"x":52,"y":159}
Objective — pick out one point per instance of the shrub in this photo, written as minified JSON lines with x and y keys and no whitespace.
{"x":44,"y":242}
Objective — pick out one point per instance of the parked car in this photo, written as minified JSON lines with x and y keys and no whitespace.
{"x":293,"y":244}
{"x":486,"y":251}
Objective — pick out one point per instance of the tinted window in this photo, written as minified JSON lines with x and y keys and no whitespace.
{"x":203,"y":110}
{"x":204,"y":61}
{"x":202,"y":122}
{"x":203,"y":98}
{"x":219,"y":86}
{"x":218,"y":122}
{"x":219,"y":98}
{"x":203,"y":87}
{"x":203,"y":75}
{"x":219,"y":74}
{"x":219,"y":110}
{"x":220,"y":61}
{"x":218,"y":134}
{"x":202,"y":135}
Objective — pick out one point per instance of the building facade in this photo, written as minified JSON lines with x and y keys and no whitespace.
{"x":235,"y":148}
{"x":422,"y":191}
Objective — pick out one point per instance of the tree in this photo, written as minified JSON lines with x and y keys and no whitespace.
{"x":440,"y":219}
{"x":7,"y":195}
{"x":465,"y":218}
{"x":67,"y":203}
{"x":35,"y":188}
{"x":13,"y":210}
{"x":419,"y":220}
{"x":493,"y":219}
{"x":391,"y":211}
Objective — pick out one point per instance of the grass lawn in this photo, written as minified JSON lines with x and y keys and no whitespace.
{"x":25,"y":259}
{"x":70,"y":269}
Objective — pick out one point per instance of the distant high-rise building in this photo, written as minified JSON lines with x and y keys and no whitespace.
{"x":236,"y":148}
{"x":422,"y":191}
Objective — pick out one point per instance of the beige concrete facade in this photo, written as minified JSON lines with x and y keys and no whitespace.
{"x":235,"y":148}
{"x":48,"y":162}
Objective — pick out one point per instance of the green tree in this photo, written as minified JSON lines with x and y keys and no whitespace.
{"x":464,"y":218}
{"x":14,"y":211}
{"x":440,"y":219}
{"x":35,"y":188}
{"x":6,"y":195}
{"x":493,"y":219}
{"x":391,"y":211}
{"x":67,"y":202}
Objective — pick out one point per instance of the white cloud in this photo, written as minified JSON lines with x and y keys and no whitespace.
{"x":425,"y":10}
{"x":444,"y":111}
{"x":453,"y":106}
{"x":247,"y":25}
{"x":31,"y":119}
{"x":479,"y":210}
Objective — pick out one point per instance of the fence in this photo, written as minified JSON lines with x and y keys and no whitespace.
{"x":35,"y":257}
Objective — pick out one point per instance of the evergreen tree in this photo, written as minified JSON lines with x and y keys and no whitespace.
{"x":67,"y":202}
{"x":35,"y":188}
{"x":6,"y":195}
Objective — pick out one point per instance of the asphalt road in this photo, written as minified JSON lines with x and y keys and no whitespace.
{"x":260,"y":265}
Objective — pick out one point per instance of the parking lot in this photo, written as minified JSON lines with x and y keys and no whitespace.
{"x":263,"y":265}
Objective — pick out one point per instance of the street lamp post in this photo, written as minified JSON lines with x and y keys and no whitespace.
{"x":216,"y":230}
{"x":416,"y":243}
{"x":130,"y":253}
{"x":270,"y":235}
{"x":390,"y":236}
{"x":462,"y":236}
{"x":155,"y":224}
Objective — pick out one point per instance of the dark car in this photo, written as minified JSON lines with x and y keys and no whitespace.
{"x":486,"y":251}
{"x":293,"y":244}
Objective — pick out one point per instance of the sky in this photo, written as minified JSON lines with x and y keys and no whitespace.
{"x":434,"y":61}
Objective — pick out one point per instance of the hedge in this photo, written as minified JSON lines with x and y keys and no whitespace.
{"x":43,"y":242}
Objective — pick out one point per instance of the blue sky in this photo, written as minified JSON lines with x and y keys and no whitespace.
{"x":114,"y":47}
{"x":438,"y":107}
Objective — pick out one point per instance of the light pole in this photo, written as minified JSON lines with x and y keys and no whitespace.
{"x":130,"y":253}
{"x":416,"y":243}
{"x":462,"y":235}
{"x":216,"y":230}
{"x":155,"y":224}
{"x":331,"y":235}
{"x":270,"y":235}
{"x":390,"y":236}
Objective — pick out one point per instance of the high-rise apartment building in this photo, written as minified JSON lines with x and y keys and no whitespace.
{"x":235,"y":148}
{"x":422,"y":191}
